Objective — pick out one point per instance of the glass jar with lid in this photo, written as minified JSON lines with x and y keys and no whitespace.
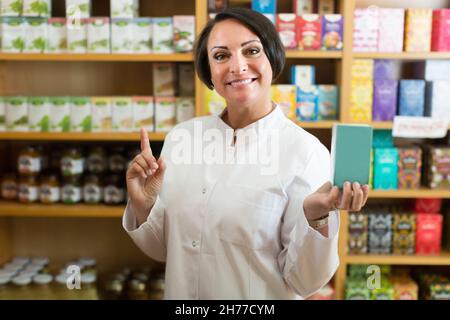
{"x":92,"y":189}
{"x":71,"y":192}
{"x":28,"y":189}
{"x":117,"y":162}
{"x":97,"y":161}
{"x":72,"y":162}
{"x":114,"y":288}
{"x":157,"y":287}
{"x":137,"y":290}
{"x":114,"y":191}
{"x":10,"y":186}
{"x":29,"y":161}
{"x":50,"y":189}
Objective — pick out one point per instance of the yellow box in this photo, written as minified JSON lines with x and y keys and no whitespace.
{"x":285,"y":95}
{"x":362,"y":69}
{"x":361,"y":100}
{"x":418,"y":24}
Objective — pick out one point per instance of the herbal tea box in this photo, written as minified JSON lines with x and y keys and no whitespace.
{"x":122,"y":114}
{"x":332,"y":32}
{"x":309,"y":32}
{"x":38,"y":114}
{"x":286,"y":24}
{"x":418,"y":23}
{"x":78,"y":8}
{"x":57,"y":35}
{"x":77,"y":36}
{"x":143,"y":113}
{"x":380,"y":233}
{"x":163,"y":35}
{"x":385,"y":164}
{"x":186,"y":79}
{"x":386,"y":69}
{"x":403,"y":233}
{"x":437,"y":167}
{"x":306,"y":106}
{"x":362,"y":69}
{"x":327,"y":102}
{"x":361,"y":100}
{"x":357,"y":232}
{"x":98,"y":34}
{"x":124,"y":8}
{"x":437,"y":98}
{"x":2,"y":114}
{"x":36,"y":35}
{"x":16,"y":114}
{"x":428,"y":233}
{"x":13,"y":35}
{"x":142,"y":35}
{"x":411,"y":98}
{"x":409,"y":167}
{"x":390,"y":33}
{"x":440,"y":37}
{"x":122,"y":35}
{"x":165,"y":113}
{"x":365,"y":34}
{"x":37,"y":8}
{"x":184,"y":33}
{"x":303,"y":6}
{"x":384,"y":99}
{"x":285,"y":95}
{"x":185,"y":108}
{"x":303,"y":75}
{"x":59,"y":114}
{"x":101,"y":114}
{"x":214,"y":103}
{"x":164,"y":79}
{"x":80,"y":114}
{"x":11,"y":8}
{"x":264,"y":6}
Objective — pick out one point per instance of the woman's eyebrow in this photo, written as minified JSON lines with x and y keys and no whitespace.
{"x":242,"y":44}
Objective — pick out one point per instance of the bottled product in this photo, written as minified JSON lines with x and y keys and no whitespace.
{"x":9,"y":186}
{"x":49,"y":190}
{"x":72,"y":162}
{"x":28,"y":189}
{"x":97,"y":162}
{"x":114,"y":192}
{"x":117,"y":162}
{"x":71,"y":190}
{"x":29,"y":161}
{"x":92,"y":189}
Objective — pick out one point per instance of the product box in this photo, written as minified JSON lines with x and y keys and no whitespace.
{"x":77,"y":36}
{"x":380,"y":233}
{"x":101,"y":114}
{"x":431,"y":70}
{"x":427,"y":205}
{"x":165,"y":113}
{"x":303,"y":75}
{"x":142,"y":35}
{"x":163,"y":35}
{"x":325,"y":6}
{"x":11,"y":8}
{"x":16,"y":114}
{"x":98,"y":35}
{"x":409,"y":168}
{"x":122,"y":114}
{"x":264,"y":6}
{"x":418,"y":24}
{"x":80,"y":114}
{"x":184,"y":33}
{"x":386,"y":69}
{"x":411,"y":100}
{"x":303,"y":6}
{"x":185,"y":108}
{"x":390,"y":32}
{"x":356,"y":289}
{"x":164,"y":79}
{"x":384,"y":100}
{"x":429,"y":233}
{"x":287,"y":26}
{"x":2,"y":114}
{"x":382,"y":139}
{"x":37,"y":8}
{"x":309,"y":32}
{"x":214,"y":103}
{"x":385,"y":292}
{"x":404,"y":288}
{"x":332,"y":32}
{"x":404,"y":233}
{"x":57,"y":35}
{"x":440,"y":37}
{"x":365,"y":31}
{"x":124,"y":9}
{"x":122,"y":35}
{"x":357,"y":232}
{"x":307,"y":108}
{"x":78,"y":8}
{"x":385,"y":168}
{"x":361,"y":100}
{"x":285,"y":95}
{"x":13,"y":35}
{"x":327,"y":102}
{"x":59,"y":114}
{"x":437,"y":98}
{"x":36,"y":35}
{"x":271,"y":17}
{"x":437,"y":167}
{"x":143,"y":113}
{"x":362,"y":69}
{"x":38,"y":114}
{"x":186,"y":79}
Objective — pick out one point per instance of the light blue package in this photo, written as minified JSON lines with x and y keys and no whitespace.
{"x":411,"y":98}
{"x":327,"y":102}
{"x":307,"y":108}
{"x":382,"y":139}
{"x":303,"y":75}
{"x":265,"y":6}
{"x":385,"y":168}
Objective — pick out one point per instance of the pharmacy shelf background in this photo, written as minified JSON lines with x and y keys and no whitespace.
{"x":62,"y":231}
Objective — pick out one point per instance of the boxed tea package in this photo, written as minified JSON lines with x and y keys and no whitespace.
{"x":78,"y":8}
{"x":142,"y":35}
{"x":165,"y":113}
{"x":427,"y":205}
{"x":16,"y":114}
{"x":214,"y":103}
{"x":77,"y":36}
{"x":362,"y":69}
{"x":306,"y":106}
{"x":437,"y":98}
{"x":357,"y":232}
{"x":440,"y":37}
{"x":59,"y":114}
{"x":121,"y":35}
{"x":184,"y":33}
{"x":163,"y":35}
{"x":143,"y":113}
{"x":434,"y":287}
{"x":11,"y":8}
{"x":37,"y":8}
{"x":428,"y":233}
{"x":332,"y":32}
{"x":385,"y":168}
{"x":57,"y":35}
{"x":36,"y":34}
{"x":186,"y":79}
{"x":98,"y":35}
{"x":418,"y":24}
{"x":38,"y":114}
{"x":327,"y":102}
{"x":185,"y":108}
{"x":264,"y":6}
{"x":404,"y":233}
{"x":411,"y":100}
{"x":385,"y":69}
{"x":385,"y":292}
{"x":380,"y":233}
{"x":164,"y":79}
{"x":325,"y":6}
{"x":303,"y":75}
{"x":101,"y":114}
{"x":309,"y":32}
{"x":124,"y":8}
{"x":286,"y":24}
{"x":356,"y":289}
{"x":384,"y":100}
{"x":303,"y":6}
{"x":122,"y":114}
{"x":361,"y":100}
{"x":390,"y":32}
{"x":409,"y":167}
{"x":365,"y":33}
{"x":382,"y":139}
{"x":285,"y":95}
{"x":80,"y":114}
{"x":405,"y":288}
{"x":437,"y":166}
{"x":2,"y":114}
{"x":13,"y":35}
{"x":431,"y":70}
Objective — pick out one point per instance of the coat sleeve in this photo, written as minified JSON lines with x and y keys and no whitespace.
{"x":308,"y":260}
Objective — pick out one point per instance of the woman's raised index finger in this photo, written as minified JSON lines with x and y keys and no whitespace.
{"x":145,"y":144}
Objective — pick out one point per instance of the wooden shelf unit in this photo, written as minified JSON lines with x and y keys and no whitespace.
{"x":78,"y":136}
{"x":175,"y":57}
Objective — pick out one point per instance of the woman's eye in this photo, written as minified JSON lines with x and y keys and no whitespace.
{"x":253,"y":51}
{"x":219,"y":56}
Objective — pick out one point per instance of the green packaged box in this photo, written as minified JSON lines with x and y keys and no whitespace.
{"x":59,"y":114}
{"x":38,"y":114}
{"x":13,"y":35}
{"x":36,"y":35}
{"x":80,"y":114}
{"x":2,"y":114}
{"x":37,"y":8}
{"x":11,"y":8}
{"x":16,"y":114}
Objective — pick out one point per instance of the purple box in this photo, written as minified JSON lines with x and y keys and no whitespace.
{"x":332,"y":30}
{"x":386,"y":69}
{"x":384,"y":99}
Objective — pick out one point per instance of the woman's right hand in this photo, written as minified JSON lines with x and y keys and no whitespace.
{"x":144,"y":179}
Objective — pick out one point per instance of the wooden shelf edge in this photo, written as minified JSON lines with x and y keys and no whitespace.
{"x":443,"y":259}
{"x":406,"y":194}
{"x":79,"y":136}
{"x":95,"y":57}
{"x":402,"y":55}
{"x":295,"y":54}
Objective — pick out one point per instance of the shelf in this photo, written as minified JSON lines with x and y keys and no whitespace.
{"x":405,"y":194}
{"x":402,"y":55}
{"x":443,"y":259}
{"x":176,"y":57}
{"x":14,"y":209}
{"x":316,"y":124}
{"x":383,"y":124}
{"x":78,"y":136}
{"x":293,"y":54}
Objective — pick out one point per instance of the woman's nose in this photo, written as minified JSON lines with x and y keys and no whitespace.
{"x":238,"y":64}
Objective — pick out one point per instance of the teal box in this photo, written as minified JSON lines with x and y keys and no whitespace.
{"x":327,"y":102}
{"x":382,"y":139}
{"x":307,"y":108}
{"x":385,"y":168}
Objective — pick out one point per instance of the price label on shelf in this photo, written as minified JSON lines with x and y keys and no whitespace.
{"x":419,"y":127}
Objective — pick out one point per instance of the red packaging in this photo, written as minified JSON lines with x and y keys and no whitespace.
{"x":428,"y":233}
{"x":427,"y":205}
{"x":309,"y":32}
{"x":440,"y":37}
{"x":287,"y":29}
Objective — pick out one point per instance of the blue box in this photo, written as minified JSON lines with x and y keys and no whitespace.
{"x":327,"y":102}
{"x":382,"y":139}
{"x":265,"y":6}
{"x":307,"y":108}
{"x":385,"y":168}
{"x":411,"y":98}
{"x":303,"y":75}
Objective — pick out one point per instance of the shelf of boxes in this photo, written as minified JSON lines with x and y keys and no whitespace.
{"x":437,"y":260}
{"x":79,"y":136}
{"x":402,"y":55}
{"x":410,"y":194}
{"x":174,"y":57}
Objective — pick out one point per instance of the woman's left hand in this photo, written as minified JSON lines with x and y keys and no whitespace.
{"x":328,"y":198}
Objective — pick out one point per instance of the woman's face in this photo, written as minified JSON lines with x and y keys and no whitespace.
{"x":240,"y":69}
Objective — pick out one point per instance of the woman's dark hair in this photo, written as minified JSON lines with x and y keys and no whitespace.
{"x":258,"y":24}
